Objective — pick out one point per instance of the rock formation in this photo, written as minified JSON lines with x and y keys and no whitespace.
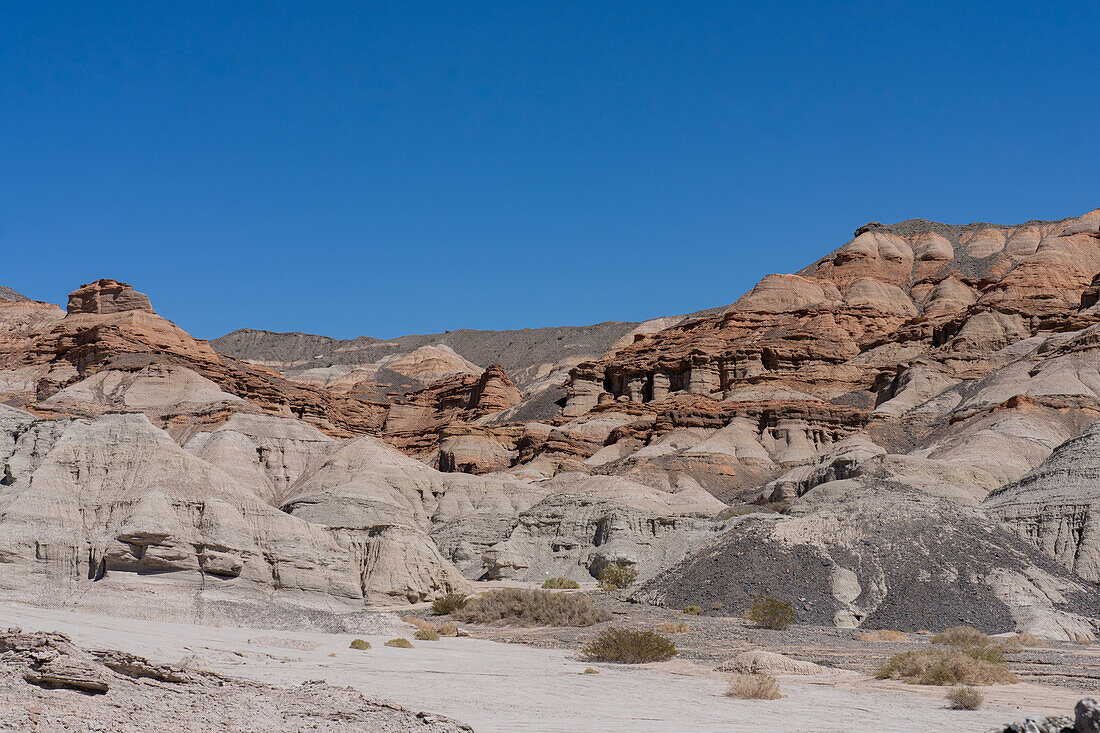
{"x":897,"y":435}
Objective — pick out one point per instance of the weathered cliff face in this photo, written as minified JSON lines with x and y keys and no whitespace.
{"x":110,"y":327}
{"x":953,"y":294}
{"x":875,"y":399}
{"x":1056,"y":506}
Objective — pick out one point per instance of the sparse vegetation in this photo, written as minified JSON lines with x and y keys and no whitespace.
{"x":449,"y":603}
{"x":629,"y":646}
{"x":521,"y":607}
{"x":975,"y":666}
{"x":401,"y":643}
{"x":961,"y":636}
{"x":426,"y":635}
{"x":360,"y":644}
{"x":561,"y":584}
{"x":754,"y":687}
{"x":965,"y":697}
{"x":419,"y":623}
{"x":674,"y":628}
{"x":444,"y":629}
{"x":770,"y":613}
{"x":617,"y":576}
{"x":1025,"y":639}
{"x":693,"y":610}
{"x":739,"y":510}
{"x":881,"y":635}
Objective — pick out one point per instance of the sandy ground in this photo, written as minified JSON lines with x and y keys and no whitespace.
{"x":513,"y":687}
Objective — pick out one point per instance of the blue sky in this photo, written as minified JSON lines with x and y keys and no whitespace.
{"x":391,"y":168}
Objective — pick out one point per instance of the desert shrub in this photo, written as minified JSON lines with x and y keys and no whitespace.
{"x":590,"y":670}
{"x":561,"y":584}
{"x":360,"y":644}
{"x":628,"y":646}
{"x":449,"y":603}
{"x":961,"y":636}
{"x":426,"y":635}
{"x":941,"y":667}
{"x":754,"y":687}
{"x":400,"y":643}
{"x":1028,"y":640}
{"x":419,"y":623}
{"x":618,"y":576}
{"x":522,"y":607}
{"x":965,"y":697}
{"x":881,"y":635}
{"x":693,"y":610}
{"x":674,"y":628}
{"x":770,"y":613}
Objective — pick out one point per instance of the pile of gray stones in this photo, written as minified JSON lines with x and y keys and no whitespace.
{"x":1086,"y":719}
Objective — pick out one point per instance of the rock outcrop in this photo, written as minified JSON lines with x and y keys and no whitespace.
{"x":1056,"y":506}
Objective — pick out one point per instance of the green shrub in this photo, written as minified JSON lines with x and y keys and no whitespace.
{"x":360,"y":644}
{"x":693,"y":610}
{"x":965,"y":697}
{"x":449,"y":603}
{"x":426,"y":635}
{"x":400,"y":643}
{"x":617,"y":577}
{"x":770,"y":613}
{"x":628,"y":646}
{"x":561,"y":584}
{"x":525,"y":607}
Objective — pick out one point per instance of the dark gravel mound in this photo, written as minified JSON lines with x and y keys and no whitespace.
{"x":920,"y":563}
{"x":519,"y":352}
{"x":7,"y":293}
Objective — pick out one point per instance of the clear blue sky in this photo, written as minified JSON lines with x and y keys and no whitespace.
{"x":380,"y":169}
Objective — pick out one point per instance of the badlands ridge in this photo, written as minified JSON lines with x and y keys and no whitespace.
{"x":901,"y":435}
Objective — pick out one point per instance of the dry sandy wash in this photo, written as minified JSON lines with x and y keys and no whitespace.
{"x":514,"y":687}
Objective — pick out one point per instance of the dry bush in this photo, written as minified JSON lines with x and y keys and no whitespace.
{"x":443,"y":629}
{"x":617,"y":577}
{"x":754,"y":687}
{"x":449,"y":603}
{"x":628,"y":646}
{"x":770,"y":613}
{"x":1027,"y":640}
{"x":419,"y":623}
{"x":882,"y":635}
{"x":522,"y":607}
{"x":693,"y":610}
{"x":426,"y":635}
{"x":965,"y":697}
{"x":674,"y":628}
{"x":940,"y":667}
{"x":400,"y":643}
{"x":962,"y":636}
{"x":360,"y":644}
{"x":561,"y":584}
